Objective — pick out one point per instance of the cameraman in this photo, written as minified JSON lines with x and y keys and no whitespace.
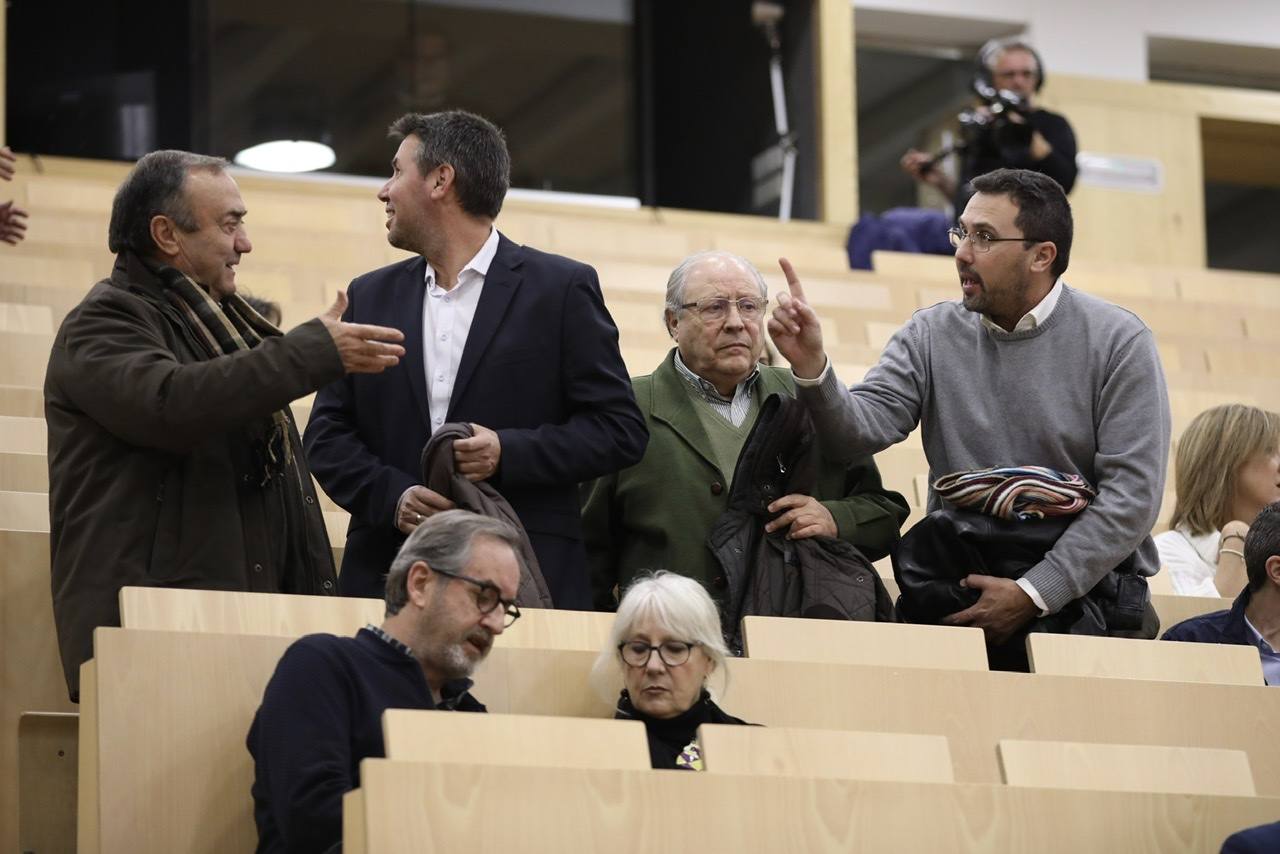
{"x":1022,"y":137}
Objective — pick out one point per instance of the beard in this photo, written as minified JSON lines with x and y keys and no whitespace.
{"x":457,"y":661}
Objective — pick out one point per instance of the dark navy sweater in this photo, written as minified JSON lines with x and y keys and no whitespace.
{"x":320,"y":715}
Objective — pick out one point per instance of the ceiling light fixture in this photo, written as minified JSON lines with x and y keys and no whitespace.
{"x":287,"y":155}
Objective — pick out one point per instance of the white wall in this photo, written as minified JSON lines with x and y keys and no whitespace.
{"x":1108,"y":38}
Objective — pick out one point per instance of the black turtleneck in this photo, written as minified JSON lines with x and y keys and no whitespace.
{"x":668,"y":737}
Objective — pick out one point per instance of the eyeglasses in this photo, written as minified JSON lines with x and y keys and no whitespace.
{"x":981,"y":240}
{"x":672,"y":653}
{"x":713,"y":309}
{"x":487,"y":596}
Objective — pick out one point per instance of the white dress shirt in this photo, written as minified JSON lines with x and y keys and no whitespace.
{"x":446,"y":321}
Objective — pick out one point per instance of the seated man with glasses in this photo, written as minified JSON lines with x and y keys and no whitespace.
{"x":666,"y":646}
{"x":700,"y":406}
{"x":1021,"y":370}
{"x":450,"y":591}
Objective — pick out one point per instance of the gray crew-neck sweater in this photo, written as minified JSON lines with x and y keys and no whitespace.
{"x":1082,"y":393}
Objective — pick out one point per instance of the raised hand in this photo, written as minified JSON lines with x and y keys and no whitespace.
{"x":795,"y":329}
{"x":364,"y":349}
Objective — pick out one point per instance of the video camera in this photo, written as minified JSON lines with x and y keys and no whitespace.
{"x":998,"y":105}
{"x":991,"y":118}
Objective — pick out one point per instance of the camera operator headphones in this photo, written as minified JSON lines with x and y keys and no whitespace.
{"x":988,"y":52}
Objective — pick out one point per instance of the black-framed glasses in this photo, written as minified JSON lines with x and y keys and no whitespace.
{"x":672,"y":653}
{"x":487,"y":596}
{"x":981,"y":240}
{"x":717,"y":308}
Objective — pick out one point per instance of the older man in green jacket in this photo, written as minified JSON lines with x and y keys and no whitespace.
{"x":700,"y":405}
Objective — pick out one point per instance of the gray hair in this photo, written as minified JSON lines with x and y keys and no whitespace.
{"x":155,"y":187}
{"x":442,"y":542}
{"x":676,"y":281}
{"x":993,"y":50}
{"x":472,"y":145}
{"x":678,"y":604}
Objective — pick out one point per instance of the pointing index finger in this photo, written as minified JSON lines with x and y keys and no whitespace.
{"x":793,"y":281}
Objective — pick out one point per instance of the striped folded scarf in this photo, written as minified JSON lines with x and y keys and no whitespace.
{"x":1016,"y":492}
{"x":224,"y":329}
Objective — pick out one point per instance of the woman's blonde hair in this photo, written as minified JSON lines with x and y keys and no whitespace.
{"x":679,"y":605}
{"x":1207,"y":462}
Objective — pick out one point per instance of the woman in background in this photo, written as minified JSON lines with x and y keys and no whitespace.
{"x":1226,"y":469}
{"x":666,"y":643}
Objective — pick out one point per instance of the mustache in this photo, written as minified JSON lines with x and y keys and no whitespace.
{"x":481,"y":639}
{"x":968,"y":272}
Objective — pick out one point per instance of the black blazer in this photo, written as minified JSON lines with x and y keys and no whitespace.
{"x":541,"y":366}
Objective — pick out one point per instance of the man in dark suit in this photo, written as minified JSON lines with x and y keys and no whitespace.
{"x":515,"y":341}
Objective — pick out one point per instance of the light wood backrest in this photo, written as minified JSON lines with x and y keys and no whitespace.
{"x":853,"y":642}
{"x":1173,"y":609}
{"x":1126,"y":767}
{"x":23,"y":401}
{"x":22,"y":318}
{"x":23,"y":435}
{"x":47,"y":759}
{"x":847,"y":754}
{"x":287,"y":615}
{"x":1161,"y":584}
{"x":232,"y":612}
{"x":414,"y":807}
{"x":22,"y":472}
{"x":31,"y":675}
{"x":973,"y":709}
{"x":24,"y":511}
{"x":24,"y":356}
{"x":546,"y":628}
{"x":1127,"y":658}
{"x":528,"y":740}
{"x":167,"y":762}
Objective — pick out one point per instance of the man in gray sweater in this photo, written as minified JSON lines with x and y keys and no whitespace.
{"x":1024,"y":370}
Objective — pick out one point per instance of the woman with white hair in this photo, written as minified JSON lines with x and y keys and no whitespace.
{"x":666,"y":643}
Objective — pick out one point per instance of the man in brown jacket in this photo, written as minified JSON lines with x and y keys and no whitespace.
{"x":173,"y":458}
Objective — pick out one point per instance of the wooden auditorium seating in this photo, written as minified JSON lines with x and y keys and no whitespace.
{"x":48,"y":756}
{"x":1126,"y":767}
{"x":1125,"y":658}
{"x":23,"y":357}
{"x":23,"y":401}
{"x":23,"y":472}
{"x":164,"y":716}
{"x":22,"y":435}
{"x":31,"y":678}
{"x":880,"y":644}
{"x":1173,"y":609}
{"x":845,"y":754}
{"x":413,"y":807}
{"x":524,"y":740}
{"x":239,"y":613}
{"x":291,"y":616}
{"x":23,"y":318}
